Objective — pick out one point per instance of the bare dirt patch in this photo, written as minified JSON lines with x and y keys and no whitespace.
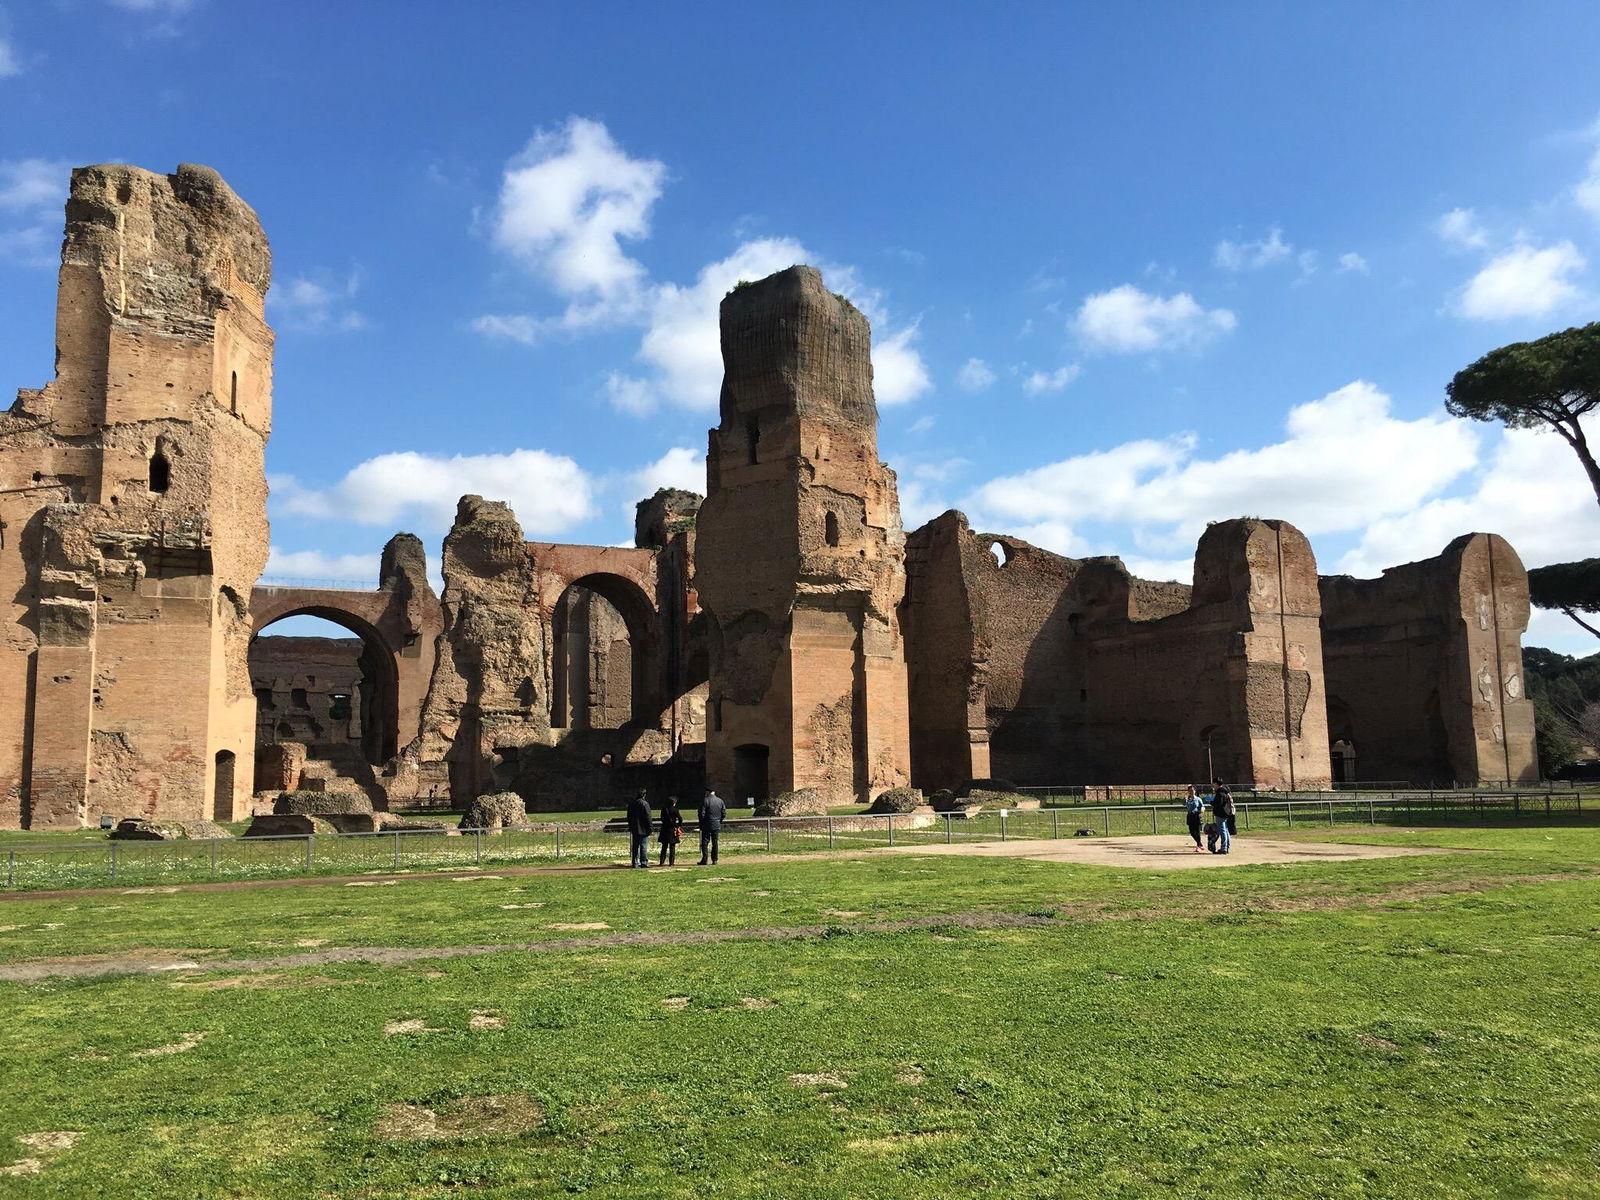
{"x":827,"y":1081}
{"x":898,"y":1143}
{"x":45,"y":1146}
{"x":676,"y":1003}
{"x":578,"y":926}
{"x":486,"y":1019}
{"x":911,"y":1075}
{"x":269,"y":979}
{"x":757,"y":1002}
{"x":468,"y":1117}
{"x":529,"y":904}
{"x":188,"y":1042}
{"x":408,"y":1028}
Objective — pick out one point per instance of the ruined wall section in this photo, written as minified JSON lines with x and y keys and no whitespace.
{"x":1084,"y":674}
{"x":132,"y":494}
{"x":801,"y":552}
{"x":488,"y":696}
{"x":1425,"y":667}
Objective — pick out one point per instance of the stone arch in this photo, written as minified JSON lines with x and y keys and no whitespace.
{"x":381,"y":732}
{"x":639,"y":618}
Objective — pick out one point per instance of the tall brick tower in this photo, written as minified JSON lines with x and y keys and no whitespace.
{"x":133,"y":511}
{"x":800,"y":557}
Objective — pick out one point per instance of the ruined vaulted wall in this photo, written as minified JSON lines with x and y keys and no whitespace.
{"x":800,"y":552}
{"x":133,"y":504}
{"x":1083,"y":674}
{"x":1424,"y":667}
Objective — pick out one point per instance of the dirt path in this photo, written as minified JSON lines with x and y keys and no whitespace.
{"x":1144,"y":852}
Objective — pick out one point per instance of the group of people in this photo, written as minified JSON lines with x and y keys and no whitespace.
{"x":670,"y":830}
{"x":1219,"y":831}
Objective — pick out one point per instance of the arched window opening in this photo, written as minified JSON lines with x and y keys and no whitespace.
{"x":752,"y":435}
{"x":830,"y":528}
{"x":160,"y":473}
{"x":1001,"y":552}
{"x":595,"y":681}
{"x":233,"y":393}
{"x":222,"y":789}
{"x":300,"y":699}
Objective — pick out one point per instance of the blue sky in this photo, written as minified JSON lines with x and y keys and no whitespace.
{"x":1130,"y":268}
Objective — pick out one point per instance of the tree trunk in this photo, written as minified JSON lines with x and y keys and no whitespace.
{"x":1581,"y":621}
{"x":1573,"y":432}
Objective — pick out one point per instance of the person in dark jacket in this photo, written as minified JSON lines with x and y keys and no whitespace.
{"x":671,"y":831}
{"x":639,"y":830}
{"x":712,"y":812}
{"x":1222,"y":813}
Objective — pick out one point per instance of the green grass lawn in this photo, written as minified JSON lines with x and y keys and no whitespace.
{"x":1403,"y":1027}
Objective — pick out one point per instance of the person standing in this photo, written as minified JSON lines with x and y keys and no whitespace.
{"x":639,"y":830}
{"x":1222,"y":812}
{"x":712,"y":812}
{"x":1194,"y":807}
{"x":671,"y":832}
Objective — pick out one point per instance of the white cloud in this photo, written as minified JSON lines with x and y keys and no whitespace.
{"x":1241,"y":256}
{"x":627,"y":394}
{"x":679,"y":467}
{"x":314,"y":564}
{"x":1126,"y":320}
{"x":975,"y":375}
{"x":1345,"y":462}
{"x":921,"y":425}
{"x":1533,"y":492}
{"x":1525,"y":281}
{"x":550,"y":493}
{"x":9,"y":64}
{"x":33,"y":195}
{"x":898,"y":373}
{"x":1460,"y":230}
{"x":567,"y":203}
{"x":165,"y":7}
{"x":1587,"y":191}
{"x":1050,"y":381}
{"x":317,"y":303}
{"x":1351,"y":262}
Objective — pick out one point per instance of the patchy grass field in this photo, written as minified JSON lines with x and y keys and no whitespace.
{"x":888,"y":1026}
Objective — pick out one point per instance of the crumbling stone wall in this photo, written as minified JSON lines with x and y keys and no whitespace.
{"x":1424,"y":668}
{"x":1053,"y":670}
{"x":800,"y":554}
{"x":133,"y":511}
{"x":308,"y":690}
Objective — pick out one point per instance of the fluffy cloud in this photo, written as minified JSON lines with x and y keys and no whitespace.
{"x":33,"y":192}
{"x":1352,"y":262}
{"x":1524,"y":281}
{"x":1587,"y":190}
{"x":975,"y":375}
{"x":1126,"y":320}
{"x":550,"y":493}
{"x":1345,"y":462}
{"x":314,"y":564}
{"x":317,"y":303}
{"x":1460,"y":230}
{"x":1242,"y":256}
{"x":679,"y":467}
{"x":1040,"y":382}
{"x":1533,"y":491}
{"x":567,"y":205}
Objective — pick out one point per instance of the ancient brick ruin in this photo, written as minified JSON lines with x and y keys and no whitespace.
{"x":784,"y":634}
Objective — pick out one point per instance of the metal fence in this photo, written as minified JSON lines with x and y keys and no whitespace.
{"x":138,"y":864}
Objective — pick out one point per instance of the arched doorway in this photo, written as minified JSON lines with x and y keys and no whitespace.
{"x":222,"y":786}
{"x":603,"y":650}
{"x":1341,"y":741}
{"x":1216,"y":756}
{"x":324,"y":678}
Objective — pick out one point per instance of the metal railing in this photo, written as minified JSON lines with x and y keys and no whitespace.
{"x":157,"y":863}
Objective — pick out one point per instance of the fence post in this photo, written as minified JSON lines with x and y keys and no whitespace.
{"x":1247,"y":816}
{"x":1330,"y":812}
{"x":311,"y":839}
{"x":113,"y":862}
{"x":11,"y":868}
{"x":890,"y":818}
{"x":558,"y":843}
{"x":949,"y":827}
{"x":1106,"y":813}
{"x":1055,"y":823}
{"x":1372,"y":813}
{"x":1002,"y":824}
{"x":213,"y":858}
{"x":1547,"y":804}
{"x":396,"y":849}
{"x":477,"y":845}
{"x":1153,"y":828}
{"x":769,"y":835}
{"x":1289,"y":805}
{"x":830,"y":831}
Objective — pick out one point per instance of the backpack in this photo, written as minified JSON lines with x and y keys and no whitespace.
{"x":1211,"y":836}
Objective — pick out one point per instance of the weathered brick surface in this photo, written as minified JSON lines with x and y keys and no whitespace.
{"x":1425,"y":668}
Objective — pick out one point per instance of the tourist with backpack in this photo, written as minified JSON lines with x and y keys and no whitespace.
{"x":1222,"y":811}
